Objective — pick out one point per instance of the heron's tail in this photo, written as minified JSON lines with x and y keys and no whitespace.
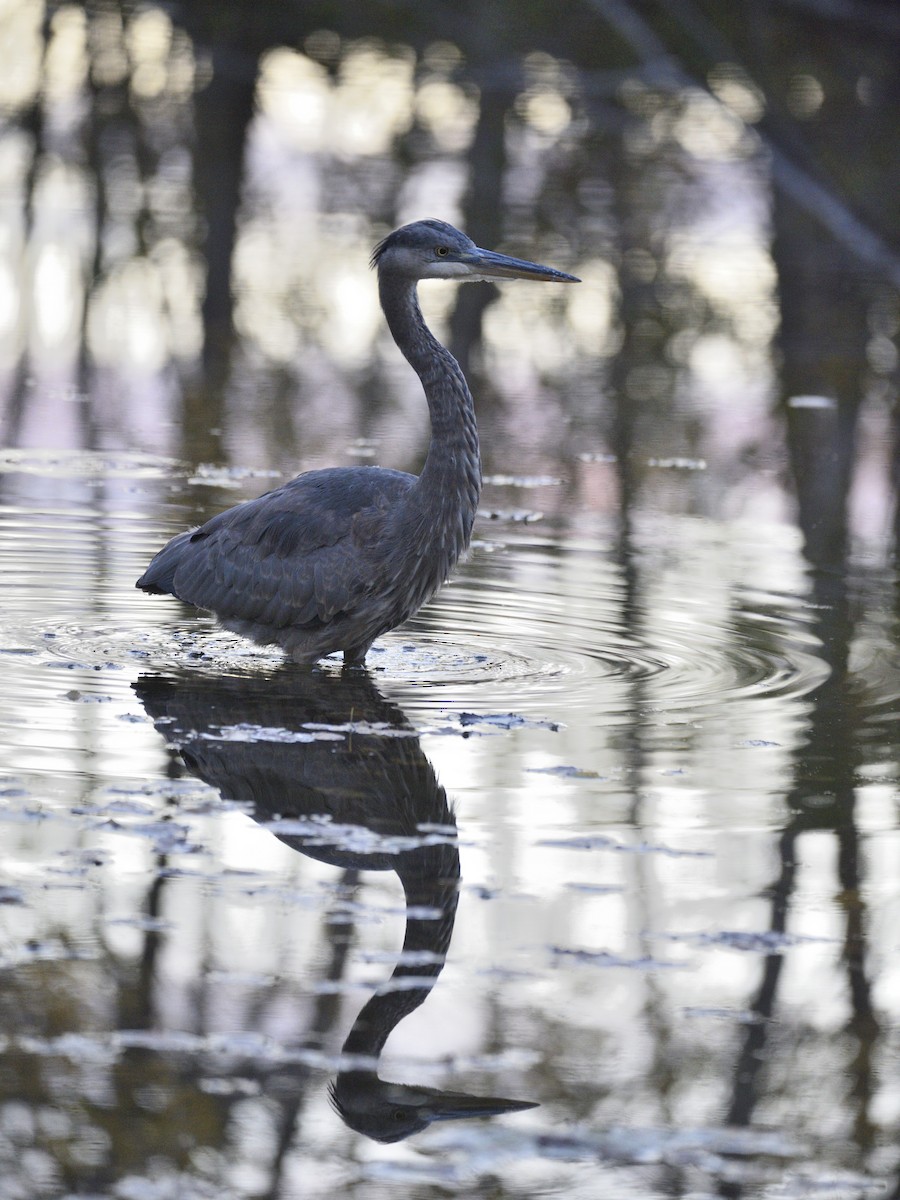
{"x":159,"y":577}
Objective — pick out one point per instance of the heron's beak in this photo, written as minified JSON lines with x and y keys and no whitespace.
{"x":455,"y":1106}
{"x":485,"y":264}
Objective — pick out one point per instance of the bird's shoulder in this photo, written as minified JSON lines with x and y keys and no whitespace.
{"x":299,"y":555}
{"x":312,"y":511}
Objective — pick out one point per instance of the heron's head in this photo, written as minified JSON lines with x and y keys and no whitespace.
{"x":435,"y":250}
{"x":390,"y":1112}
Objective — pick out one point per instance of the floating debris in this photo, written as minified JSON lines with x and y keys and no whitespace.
{"x":246,"y":731}
{"x":360,"y":839}
{"x":566,"y":772}
{"x":361,"y":728}
{"x":603,"y":958}
{"x":596,"y":889}
{"x":765,"y":941}
{"x":168,"y":837}
{"x":144,"y":923}
{"x":742,"y":1016}
{"x":523,"y":481}
{"x":253,"y":979}
{"x":210,"y":475}
{"x":231,"y":1086}
{"x":74,"y":665}
{"x":518,"y":516}
{"x":51,"y":950}
{"x":677,"y":463}
{"x":602,"y":842}
{"x":82,"y":1048}
{"x":12,"y":790}
{"x":507,"y":974}
{"x":598,"y":841}
{"x":482,"y":891}
{"x":505,"y":721}
{"x":81,"y":464}
{"x":842,"y":1185}
{"x":132,"y":808}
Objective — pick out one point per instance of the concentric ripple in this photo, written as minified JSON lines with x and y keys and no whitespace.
{"x":556,"y":622}
{"x":477,"y":635}
{"x":528,"y":624}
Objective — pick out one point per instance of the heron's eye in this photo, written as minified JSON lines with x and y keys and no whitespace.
{"x":442,"y":251}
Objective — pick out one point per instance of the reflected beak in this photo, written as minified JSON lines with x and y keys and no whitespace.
{"x":454,"y":1106}
{"x":485,"y":264}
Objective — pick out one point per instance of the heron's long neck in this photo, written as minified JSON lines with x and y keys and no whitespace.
{"x":431,"y":882}
{"x":450,"y":482}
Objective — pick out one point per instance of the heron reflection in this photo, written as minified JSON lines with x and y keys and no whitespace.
{"x":341,"y":774}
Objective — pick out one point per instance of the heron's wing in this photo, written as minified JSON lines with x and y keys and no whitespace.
{"x":295,"y":556}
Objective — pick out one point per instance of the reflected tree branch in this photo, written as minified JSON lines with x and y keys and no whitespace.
{"x":883,"y":18}
{"x":292,"y":1090}
{"x":823,"y":798}
{"x":816,"y":196}
{"x":32,"y":123}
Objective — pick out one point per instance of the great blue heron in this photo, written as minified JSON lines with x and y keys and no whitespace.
{"x":337,"y":557}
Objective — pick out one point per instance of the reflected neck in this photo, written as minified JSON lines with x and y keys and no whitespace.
{"x":433,"y":885}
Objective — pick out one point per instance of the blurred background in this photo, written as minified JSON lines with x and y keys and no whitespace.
{"x":661,"y":695}
{"x":190,"y":193}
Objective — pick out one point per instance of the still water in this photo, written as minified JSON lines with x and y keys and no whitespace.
{"x":624,"y":798}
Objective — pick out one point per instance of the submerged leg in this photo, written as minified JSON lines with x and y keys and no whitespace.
{"x":355,"y":656}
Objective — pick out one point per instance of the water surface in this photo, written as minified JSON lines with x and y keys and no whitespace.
{"x":625,"y":785}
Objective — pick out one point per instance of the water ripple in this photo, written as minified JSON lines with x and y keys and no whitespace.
{"x":532,"y":623}
{"x":516,"y":647}
{"x":567,"y":624}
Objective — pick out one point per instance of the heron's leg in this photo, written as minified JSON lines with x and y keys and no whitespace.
{"x":355,"y":656}
{"x":303,"y":657}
